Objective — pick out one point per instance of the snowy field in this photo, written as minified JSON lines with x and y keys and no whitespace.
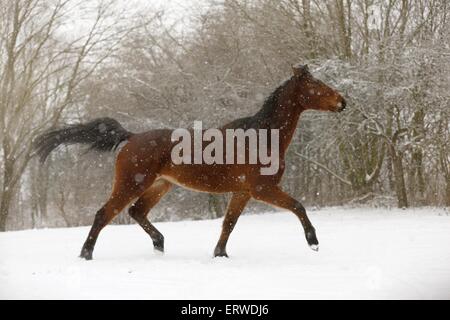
{"x":364,"y":253}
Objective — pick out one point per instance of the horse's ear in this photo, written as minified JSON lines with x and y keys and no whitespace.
{"x":300,"y":70}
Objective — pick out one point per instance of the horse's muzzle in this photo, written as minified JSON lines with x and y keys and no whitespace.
{"x":341,"y":105}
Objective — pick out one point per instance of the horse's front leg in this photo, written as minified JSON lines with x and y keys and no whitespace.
{"x":274,"y":196}
{"x":235,"y":206}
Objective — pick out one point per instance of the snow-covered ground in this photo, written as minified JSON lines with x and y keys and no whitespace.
{"x":364,"y":253}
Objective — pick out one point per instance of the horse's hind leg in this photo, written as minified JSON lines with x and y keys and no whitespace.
{"x":125,"y":190}
{"x":140,"y":209}
{"x":103,"y":216}
{"x":234,"y":210}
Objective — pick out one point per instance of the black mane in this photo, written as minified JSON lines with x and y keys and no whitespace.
{"x":262,"y":118}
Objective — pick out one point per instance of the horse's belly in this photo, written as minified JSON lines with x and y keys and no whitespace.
{"x":215,"y":179}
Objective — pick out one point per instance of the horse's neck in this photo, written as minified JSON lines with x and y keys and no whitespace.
{"x":282,"y":114}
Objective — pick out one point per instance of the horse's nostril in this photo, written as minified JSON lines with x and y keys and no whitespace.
{"x":342,"y":104}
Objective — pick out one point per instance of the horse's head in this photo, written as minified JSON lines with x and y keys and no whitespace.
{"x":314,"y":94}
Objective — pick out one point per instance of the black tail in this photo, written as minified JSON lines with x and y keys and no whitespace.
{"x":103,"y":134}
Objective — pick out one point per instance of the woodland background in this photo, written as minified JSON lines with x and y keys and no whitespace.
{"x":66,"y":61}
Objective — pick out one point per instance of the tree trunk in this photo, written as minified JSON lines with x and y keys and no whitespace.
{"x":447,"y":194}
{"x":343,"y":14}
{"x":42,"y":188}
{"x":7,"y":193}
{"x":308,"y":29}
{"x":4,"y":209}
{"x":417,"y":181}
{"x":399,"y":178}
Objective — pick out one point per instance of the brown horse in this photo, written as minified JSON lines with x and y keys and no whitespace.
{"x":145,"y":172}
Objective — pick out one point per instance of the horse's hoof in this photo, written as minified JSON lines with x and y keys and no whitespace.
{"x":158,"y":251}
{"x":221,"y":255}
{"x":85,"y":254}
{"x":312,"y":239}
{"x":86,"y":257}
{"x":158,"y":246}
{"x":218,"y":252}
{"x":158,"y":243}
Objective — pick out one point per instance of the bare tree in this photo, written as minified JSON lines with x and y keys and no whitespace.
{"x":40,"y":73}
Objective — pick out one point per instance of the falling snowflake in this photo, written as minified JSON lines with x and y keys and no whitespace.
{"x":102,"y":127}
{"x":139,"y":177}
